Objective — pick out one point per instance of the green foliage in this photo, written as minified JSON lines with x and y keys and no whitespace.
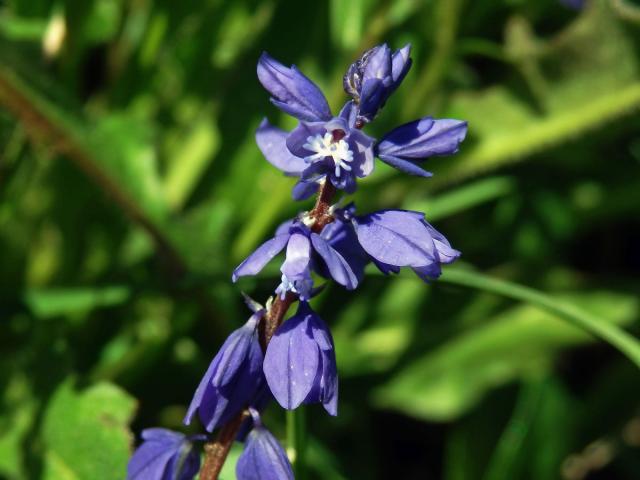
{"x":131,"y":185}
{"x":519,"y":344}
{"x":85,"y":433}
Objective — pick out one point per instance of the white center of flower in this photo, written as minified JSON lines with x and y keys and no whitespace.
{"x":326,"y":146}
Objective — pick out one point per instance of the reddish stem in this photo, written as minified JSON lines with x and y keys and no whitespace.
{"x":216,"y":451}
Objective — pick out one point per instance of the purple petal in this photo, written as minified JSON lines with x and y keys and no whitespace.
{"x":329,"y":374}
{"x":362,"y":147}
{"x":401,"y":62}
{"x":423,"y":138}
{"x":149,"y":462}
{"x":349,"y":113}
{"x":272,"y":142}
{"x":220,"y":404}
{"x":234,"y":351}
{"x":344,"y":182}
{"x":405,"y":166}
{"x":162,"y":435}
{"x":428,"y":272}
{"x":263,"y":458}
{"x":263,"y":255}
{"x":292,"y":92}
{"x":232,"y":379}
{"x":338,"y":267}
{"x":291,"y":362}
{"x":446,"y":253}
{"x":379,"y":64}
{"x":251,"y":304}
{"x":396,"y":237}
{"x":342,"y":237}
{"x":315,"y":171}
{"x":202,"y":392}
{"x":298,"y":137}
{"x":303,"y":190}
{"x":163,"y":454}
{"x":298,"y":257}
{"x":185,"y":464}
{"x":385,"y":267}
{"x":372,"y":97}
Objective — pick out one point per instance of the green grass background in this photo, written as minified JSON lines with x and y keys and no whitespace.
{"x":131,"y":186}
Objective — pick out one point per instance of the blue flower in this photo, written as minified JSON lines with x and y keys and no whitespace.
{"x":164,"y":455}
{"x":300,"y":362}
{"x":322,"y":145}
{"x":372,"y":78}
{"x":233,"y":380}
{"x":263,"y":458}
{"x":330,"y":148}
{"x":303,"y":247}
{"x":334,"y":148}
{"x":402,"y":238}
{"x":415,"y":141}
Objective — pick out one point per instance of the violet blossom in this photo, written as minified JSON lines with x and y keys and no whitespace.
{"x":372,"y":78}
{"x":263,"y":458}
{"x":233,"y":380}
{"x":164,"y":455}
{"x":300,"y":362}
{"x":403,"y":238}
{"x":334,"y":148}
{"x":303,"y":247}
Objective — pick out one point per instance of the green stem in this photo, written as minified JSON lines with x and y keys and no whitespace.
{"x":512,"y":441}
{"x":297,"y":441}
{"x":623,"y":341}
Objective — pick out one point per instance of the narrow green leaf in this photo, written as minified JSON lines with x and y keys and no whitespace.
{"x":51,"y":302}
{"x":462,"y":198}
{"x":598,"y":327}
{"x":519,"y":343}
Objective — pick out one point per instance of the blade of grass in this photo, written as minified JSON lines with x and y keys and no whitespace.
{"x":618,"y":338}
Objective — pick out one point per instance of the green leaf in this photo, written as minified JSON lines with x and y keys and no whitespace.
{"x":16,"y":421}
{"x":85,"y":433}
{"x":463,"y":198}
{"x":582,"y":318}
{"x":192,"y":152}
{"x":51,"y":302}
{"x":131,"y":160}
{"x":22,"y":29}
{"x":347,"y":22}
{"x":521,"y":342}
{"x":580,"y":83}
{"x":390,"y":328}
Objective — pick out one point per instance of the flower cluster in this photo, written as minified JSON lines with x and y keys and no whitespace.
{"x":295,"y":364}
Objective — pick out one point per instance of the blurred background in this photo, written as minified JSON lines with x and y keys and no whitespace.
{"x":131,"y":186}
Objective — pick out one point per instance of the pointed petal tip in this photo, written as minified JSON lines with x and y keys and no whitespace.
{"x":331,"y":408}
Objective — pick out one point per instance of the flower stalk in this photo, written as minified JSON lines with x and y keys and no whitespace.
{"x":294,"y":362}
{"x":217,"y":450}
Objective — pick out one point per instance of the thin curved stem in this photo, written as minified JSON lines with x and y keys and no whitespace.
{"x":620,"y":339}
